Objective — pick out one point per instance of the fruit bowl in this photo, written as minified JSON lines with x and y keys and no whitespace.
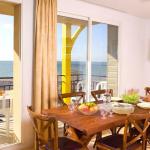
{"x":88,"y":108}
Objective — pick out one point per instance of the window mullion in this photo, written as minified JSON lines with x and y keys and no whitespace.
{"x":89,"y":45}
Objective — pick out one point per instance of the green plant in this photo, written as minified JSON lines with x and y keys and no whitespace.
{"x":131,"y":96}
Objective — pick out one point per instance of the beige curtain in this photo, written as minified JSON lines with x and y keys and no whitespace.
{"x":44,"y":68}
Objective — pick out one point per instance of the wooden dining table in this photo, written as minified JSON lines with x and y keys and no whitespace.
{"x":90,"y":125}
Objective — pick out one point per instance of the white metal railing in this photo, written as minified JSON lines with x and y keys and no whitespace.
{"x":6,"y":110}
{"x":101,"y":85}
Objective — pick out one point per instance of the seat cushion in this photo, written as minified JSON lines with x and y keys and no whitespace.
{"x":64,"y":143}
{"x":116,"y":141}
{"x":68,"y":144}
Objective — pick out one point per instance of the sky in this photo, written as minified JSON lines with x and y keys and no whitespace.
{"x":79,"y":51}
{"x":6,"y":37}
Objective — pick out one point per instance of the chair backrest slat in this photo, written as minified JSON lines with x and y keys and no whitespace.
{"x":147,"y":90}
{"x":79,"y":95}
{"x":97,"y":93}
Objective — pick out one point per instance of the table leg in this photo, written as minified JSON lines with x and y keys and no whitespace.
{"x":84,"y":140}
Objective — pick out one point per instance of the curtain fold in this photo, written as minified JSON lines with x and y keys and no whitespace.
{"x":45,"y":63}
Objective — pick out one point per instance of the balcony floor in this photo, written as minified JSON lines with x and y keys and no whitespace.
{"x":6,"y":137}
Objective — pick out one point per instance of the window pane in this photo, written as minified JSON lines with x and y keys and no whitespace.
{"x":99,"y":54}
{"x":72,"y":54}
{"x":104,"y":57}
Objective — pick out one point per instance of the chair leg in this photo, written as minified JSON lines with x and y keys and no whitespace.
{"x":64,"y":128}
{"x":98,"y":137}
{"x":36,"y":144}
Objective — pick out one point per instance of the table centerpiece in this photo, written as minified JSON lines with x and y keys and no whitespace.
{"x":131,"y":96}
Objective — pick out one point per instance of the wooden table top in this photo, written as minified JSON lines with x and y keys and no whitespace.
{"x":90,"y":125}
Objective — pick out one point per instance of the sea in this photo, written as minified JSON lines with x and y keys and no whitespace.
{"x":80,"y":67}
{"x":6,"y":74}
{"x":78,"y":71}
{"x":77,"y":67}
{"x":6,"y":69}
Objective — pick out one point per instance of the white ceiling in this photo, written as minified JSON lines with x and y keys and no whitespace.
{"x":140,"y":8}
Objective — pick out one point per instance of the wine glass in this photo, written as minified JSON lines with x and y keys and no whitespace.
{"x":75,"y":102}
{"x":103,"y":111}
{"x":110,"y":107}
{"x":71,"y":107}
{"x":107,"y":96}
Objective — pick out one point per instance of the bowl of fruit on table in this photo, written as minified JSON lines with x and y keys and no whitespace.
{"x":88,"y":108}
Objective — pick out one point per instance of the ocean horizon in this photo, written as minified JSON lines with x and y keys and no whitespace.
{"x":6,"y":69}
{"x":78,"y":67}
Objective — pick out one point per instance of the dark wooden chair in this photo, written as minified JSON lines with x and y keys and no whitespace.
{"x":147,"y":90}
{"x":133,"y":130}
{"x":124,"y":141}
{"x":80,"y":96}
{"x":97,"y":93}
{"x":43,"y":123}
{"x":147,"y":98}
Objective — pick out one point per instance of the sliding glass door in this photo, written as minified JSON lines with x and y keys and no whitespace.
{"x":72,"y":54}
{"x":85,"y":59}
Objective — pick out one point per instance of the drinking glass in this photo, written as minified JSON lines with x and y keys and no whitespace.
{"x":103,"y":98}
{"x":75,"y":102}
{"x":103,"y":113}
{"x":110,"y":110}
{"x":71,"y":107}
{"x":107,"y":96}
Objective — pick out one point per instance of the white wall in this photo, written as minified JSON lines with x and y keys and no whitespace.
{"x":131,"y":48}
{"x":147,"y":55}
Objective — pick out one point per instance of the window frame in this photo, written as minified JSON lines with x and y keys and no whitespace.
{"x":89,"y":48}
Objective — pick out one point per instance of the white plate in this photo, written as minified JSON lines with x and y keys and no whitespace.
{"x":123,"y":108}
{"x":145,"y":105}
{"x":115,"y":99}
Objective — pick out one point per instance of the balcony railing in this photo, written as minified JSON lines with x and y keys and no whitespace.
{"x":6,"y":83}
{"x":78,"y":82}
